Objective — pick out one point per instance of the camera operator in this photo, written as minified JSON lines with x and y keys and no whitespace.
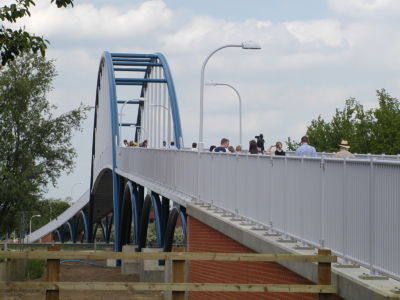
{"x":260,"y":142}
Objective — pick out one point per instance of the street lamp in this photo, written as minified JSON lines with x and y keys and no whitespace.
{"x":166,"y":109}
{"x":30,"y":223}
{"x":122,"y":109}
{"x":240,"y":106}
{"x":250,"y":45}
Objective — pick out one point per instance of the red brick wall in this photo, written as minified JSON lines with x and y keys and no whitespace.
{"x":202,"y":238}
{"x":47,"y":238}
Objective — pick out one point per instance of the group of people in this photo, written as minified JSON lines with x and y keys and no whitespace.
{"x":130,"y":144}
{"x":304,"y":150}
{"x":254,"y":148}
{"x":144,"y":144}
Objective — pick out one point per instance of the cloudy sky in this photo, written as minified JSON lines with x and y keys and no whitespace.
{"x":316,"y":54}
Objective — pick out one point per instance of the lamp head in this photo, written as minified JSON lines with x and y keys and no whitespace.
{"x":251,"y":45}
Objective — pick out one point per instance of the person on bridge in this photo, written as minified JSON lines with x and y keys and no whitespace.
{"x":144,"y":144}
{"x":344,"y":150}
{"x":194,"y":146}
{"x":278,"y":149}
{"x":305,"y":149}
{"x":212,"y":147}
{"x":253,"y":148}
{"x":224,"y":145}
{"x":238,"y":149}
{"x":172,"y":146}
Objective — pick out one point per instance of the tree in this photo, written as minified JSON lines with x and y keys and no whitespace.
{"x":35,"y":145}
{"x":15,"y":42}
{"x":372,"y":131}
{"x":48,"y":209}
{"x":291,"y":145}
{"x":385,"y":128}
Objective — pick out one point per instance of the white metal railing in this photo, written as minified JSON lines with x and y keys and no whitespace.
{"x":362,"y":156}
{"x":350,"y":206}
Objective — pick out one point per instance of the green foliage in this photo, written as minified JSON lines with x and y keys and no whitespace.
{"x":151,"y":235}
{"x":35,"y":145}
{"x":371,"y":131}
{"x":15,"y":42}
{"x":35,"y":269}
{"x":48,"y":209}
{"x":291,"y":144}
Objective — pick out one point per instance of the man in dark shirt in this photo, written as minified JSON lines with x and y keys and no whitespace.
{"x":224,"y":145}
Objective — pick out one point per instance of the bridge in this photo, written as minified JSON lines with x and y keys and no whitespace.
{"x":265,"y":203}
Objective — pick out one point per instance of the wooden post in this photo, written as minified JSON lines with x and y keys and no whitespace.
{"x":178,"y":275}
{"x":324,"y":274}
{"x":53,"y":274}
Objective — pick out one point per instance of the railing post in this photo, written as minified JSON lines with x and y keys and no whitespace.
{"x":178,"y":275}
{"x":322,"y":203}
{"x":371,"y":229}
{"x":324,"y":274}
{"x":53,"y":274}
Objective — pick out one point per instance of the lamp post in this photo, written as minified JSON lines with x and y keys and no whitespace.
{"x":122,"y":109}
{"x":166,"y":109}
{"x":240,"y":107}
{"x":245,"y":45}
{"x":30,"y":223}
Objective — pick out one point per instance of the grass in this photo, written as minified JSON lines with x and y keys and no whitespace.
{"x":35,"y":268}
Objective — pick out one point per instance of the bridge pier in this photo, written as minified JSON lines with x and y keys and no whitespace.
{"x":130,"y":267}
{"x":151,"y":270}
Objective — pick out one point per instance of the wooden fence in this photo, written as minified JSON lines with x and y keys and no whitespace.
{"x":323,"y":288}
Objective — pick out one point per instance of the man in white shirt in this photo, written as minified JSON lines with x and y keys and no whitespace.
{"x":194,"y":146}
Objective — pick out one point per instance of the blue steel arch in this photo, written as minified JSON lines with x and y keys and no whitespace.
{"x":173,"y":101}
{"x":131,"y":211}
{"x":82,"y":215}
{"x":155,"y":202}
{"x":107,"y":65}
{"x":70,"y":226}
{"x":183,"y":216}
{"x":137,"y":205}
{"x":58,"y":234}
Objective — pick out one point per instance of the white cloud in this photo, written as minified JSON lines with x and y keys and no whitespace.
{"x":370,"y":8}
{"x":88,"y":21}
{"x":320,"y":32}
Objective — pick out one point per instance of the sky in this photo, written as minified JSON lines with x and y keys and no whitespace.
{"x":315,"y":55}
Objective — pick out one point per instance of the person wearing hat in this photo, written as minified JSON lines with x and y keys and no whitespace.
{"x":344,"y":150}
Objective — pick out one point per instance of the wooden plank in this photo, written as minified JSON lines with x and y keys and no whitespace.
{"x":167,"y":256}
{"x":53,"y":274}
{"x":147,"y":286}
{"x":324,"y":274}
{"x":178,"y":276}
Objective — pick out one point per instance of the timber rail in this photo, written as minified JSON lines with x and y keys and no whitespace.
{"x":323,"y":288}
